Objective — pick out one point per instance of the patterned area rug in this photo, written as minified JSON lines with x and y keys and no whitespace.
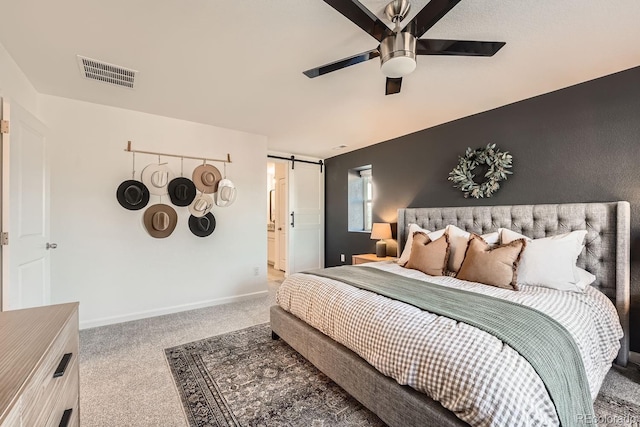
{"x":244,"y":378}
{"x":612,"y":412}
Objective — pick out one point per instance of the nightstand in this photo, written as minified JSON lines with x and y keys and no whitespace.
{"x":364,"y":258}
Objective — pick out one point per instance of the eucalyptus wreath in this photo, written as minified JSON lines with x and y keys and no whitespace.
{"x":498,"y":162}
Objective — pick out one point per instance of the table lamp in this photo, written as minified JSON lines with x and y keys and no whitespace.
{"x":381,"y":231}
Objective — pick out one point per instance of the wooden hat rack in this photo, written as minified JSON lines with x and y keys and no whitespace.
{"x":179,"y":156}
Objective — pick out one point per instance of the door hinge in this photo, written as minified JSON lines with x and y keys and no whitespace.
{"x":4,"y":126}
{"x":4,"y":238}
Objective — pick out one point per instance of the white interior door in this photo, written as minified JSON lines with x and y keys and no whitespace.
{"x":281,"y":224}
{"x":29,"y":283}
{"x":306,"y":218}
{"x":4,"y":205}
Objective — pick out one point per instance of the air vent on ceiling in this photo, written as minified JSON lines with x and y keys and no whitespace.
{"x":107,"y":73}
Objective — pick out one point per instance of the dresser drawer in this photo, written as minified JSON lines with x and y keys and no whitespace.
{"x":34,"y":388}
{"x":66,"y":399}
{"x":54,"y":377}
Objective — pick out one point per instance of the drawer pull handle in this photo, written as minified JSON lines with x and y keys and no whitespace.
{"x":66,"y":417}
{"x":63,"y":365}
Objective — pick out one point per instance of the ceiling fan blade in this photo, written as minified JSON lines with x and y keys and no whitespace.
{"x":355,"y":12}
{"x":429,"y":15}
{"x":457,"y":47}
{"x":343,"y":63}
{"x":393,"y":85}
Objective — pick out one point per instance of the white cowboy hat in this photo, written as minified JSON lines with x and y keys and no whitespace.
{"x":226,"y":193}
{"x":201,"y":205}
{"x":156,"y":177}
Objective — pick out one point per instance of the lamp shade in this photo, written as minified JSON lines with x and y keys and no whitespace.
{"x":381,"y":230}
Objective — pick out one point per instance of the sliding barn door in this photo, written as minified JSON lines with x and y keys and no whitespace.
{"x":306,"y":217}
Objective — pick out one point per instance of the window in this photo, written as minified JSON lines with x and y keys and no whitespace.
{"x":360,"y":194}
{"x":367,"y":198}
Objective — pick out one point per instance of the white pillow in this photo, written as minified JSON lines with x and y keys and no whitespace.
{"x":492,"y":239}
{"x":551,"y":261}
{"x":458,"y":241}
{"x":585,"y":278}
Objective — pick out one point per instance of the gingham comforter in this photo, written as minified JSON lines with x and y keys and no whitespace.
{"x":470,"y":372}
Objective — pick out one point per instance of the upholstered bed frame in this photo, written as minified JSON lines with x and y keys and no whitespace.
{"x":606,"y":255}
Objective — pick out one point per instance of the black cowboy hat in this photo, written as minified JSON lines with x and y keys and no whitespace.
{"x":202,"y":226}
{"x":182,"y":191}
{"x":132,"y":195}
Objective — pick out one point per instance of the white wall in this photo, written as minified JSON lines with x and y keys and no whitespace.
{"x":105,"y":259}
{"x":15,"y":85}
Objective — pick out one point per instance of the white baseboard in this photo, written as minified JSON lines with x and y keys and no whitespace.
{"x":86,"y":324}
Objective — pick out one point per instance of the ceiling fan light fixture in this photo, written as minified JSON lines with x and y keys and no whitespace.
{"x":398,"y":55}
{"x":398,"y":66}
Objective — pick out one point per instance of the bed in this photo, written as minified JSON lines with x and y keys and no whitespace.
{"x":606,"y":255}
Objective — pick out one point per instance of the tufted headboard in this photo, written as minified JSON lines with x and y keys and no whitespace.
{"x":606,"y":252}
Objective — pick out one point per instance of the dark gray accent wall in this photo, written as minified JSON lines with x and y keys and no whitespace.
{"x":579,"y":144}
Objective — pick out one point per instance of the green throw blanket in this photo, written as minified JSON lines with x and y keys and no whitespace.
{"x":542,"y":341}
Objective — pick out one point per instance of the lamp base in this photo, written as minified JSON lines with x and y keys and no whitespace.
{"x":381,"y":249}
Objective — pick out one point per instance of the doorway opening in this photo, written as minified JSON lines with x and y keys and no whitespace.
{"x":277,"y":190}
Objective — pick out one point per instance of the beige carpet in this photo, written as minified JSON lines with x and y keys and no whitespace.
{"x":124,"y":376}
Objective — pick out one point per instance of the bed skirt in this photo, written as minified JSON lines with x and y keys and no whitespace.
{"x":395,"y":404}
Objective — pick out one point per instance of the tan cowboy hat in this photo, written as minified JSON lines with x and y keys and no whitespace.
{"x":226,"y":193}
{"x":156,"y":177}
{"x":160,"y":220}
{"x":201,"y":205}
{"x":206,"y":178}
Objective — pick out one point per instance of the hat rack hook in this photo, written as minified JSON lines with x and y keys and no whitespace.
{"x":180,"y":156}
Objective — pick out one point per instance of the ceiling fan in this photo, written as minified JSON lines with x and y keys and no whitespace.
{"x":398,"y":47}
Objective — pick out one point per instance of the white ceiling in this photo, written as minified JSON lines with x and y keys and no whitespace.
{"x":238,"y":64}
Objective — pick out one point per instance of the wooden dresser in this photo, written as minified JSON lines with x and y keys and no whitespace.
{"x":39,"y":375}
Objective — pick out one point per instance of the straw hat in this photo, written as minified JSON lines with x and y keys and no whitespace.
{"x":132,"y":195}
{"x":206,"y":178}
{"x":157,"y":177}
{"x":160,"y":220}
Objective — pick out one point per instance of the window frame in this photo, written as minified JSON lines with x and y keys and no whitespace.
{"x":360,"y":199}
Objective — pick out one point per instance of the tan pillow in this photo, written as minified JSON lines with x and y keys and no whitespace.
{"x":429,"y":256}
{"x":496,"y":266}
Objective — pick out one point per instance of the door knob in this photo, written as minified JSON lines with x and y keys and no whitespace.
{"x":279,"y":228}
{"x":51,"y":245}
